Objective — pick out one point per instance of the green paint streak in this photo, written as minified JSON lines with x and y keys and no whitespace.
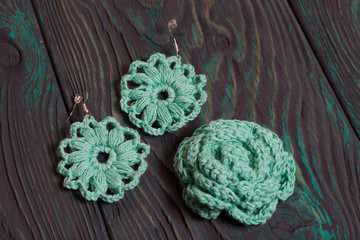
{"x":358,"y":164}
{"x":285,"y":137}
{"x":68,"y":226}
{"x":12,"y":34}
{"x":327,"y":218}
{"x":154,"y":15}
{"x":356,"y":8}
{"x":195,"y":32}
{"x":22,"y":32}
{"x":337,"y":230}
{"x":211,"y":66}
{"x":41,"y":18}
{"x":335,"y":112}
{"x":248,"y":75}
{"x":305,"y":161}
{"x":229,"y":91}
{"x":203,"y":53}
{"x":228,"y":102}
{"x":329,"y":100}
{"x":237,"y":52}
{"x":314,"y":209}
{"x":1,"y":69}
{"x":2,"y":95}
{"x":271,"y":112}
{"x":149,"y":42}
{"x":271,"y":116}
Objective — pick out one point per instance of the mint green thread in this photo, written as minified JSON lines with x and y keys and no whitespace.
{"x":108,"y":180}
{"x":235,"y":166}
{"x":183,"y":90}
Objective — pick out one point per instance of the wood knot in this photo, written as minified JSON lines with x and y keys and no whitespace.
{"x":9,"y":55}
{"x":222,"y":41}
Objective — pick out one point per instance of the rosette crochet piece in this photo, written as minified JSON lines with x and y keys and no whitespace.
{"x":102,"y":159}
{"x":162,"y":94}
{"x":235,"y":166}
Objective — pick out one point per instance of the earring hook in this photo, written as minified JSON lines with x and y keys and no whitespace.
{"x":85,"y":109}
{"x":171,"y":26}
{"x":78,"y":98}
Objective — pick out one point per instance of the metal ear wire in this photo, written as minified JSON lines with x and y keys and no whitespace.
{"x":78,"y":98}
{"x":85,"y":109}
{"x":171,"y":26}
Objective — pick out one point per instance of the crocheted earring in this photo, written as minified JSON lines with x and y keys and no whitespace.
{"x":101,"y":159}
{"x":162,"y":94}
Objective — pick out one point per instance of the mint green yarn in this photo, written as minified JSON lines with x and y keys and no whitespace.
{"x":166,"y":95}
{"x":234,"y":166}
{"x":108,"y":180}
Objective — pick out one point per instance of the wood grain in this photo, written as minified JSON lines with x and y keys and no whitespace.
{"x":333,"y":30}
{"x":33,"y":205}
{"x":260,"y":67}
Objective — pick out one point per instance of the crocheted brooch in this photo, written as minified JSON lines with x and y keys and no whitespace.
{"x":102,"y":159}
{"x":236,"y":166}
{"x":161,"y":95}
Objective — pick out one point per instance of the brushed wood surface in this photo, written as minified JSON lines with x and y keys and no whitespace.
{"x":333,"y":30}
{"x":260,"y":67}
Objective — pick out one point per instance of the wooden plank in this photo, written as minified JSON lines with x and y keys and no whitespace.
{"x":259,"y":67}
{"x":332,"y":28}
{"x":33,"y":205}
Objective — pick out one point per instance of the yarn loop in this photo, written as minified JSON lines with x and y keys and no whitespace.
{"x":235,"y":166}
{"x":102,"y":159}
{"x":162,"y":95}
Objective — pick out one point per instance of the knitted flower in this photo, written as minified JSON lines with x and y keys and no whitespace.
{"x":235,"y":166}
{"x":161,"y":95}
{"x":102,"y":159}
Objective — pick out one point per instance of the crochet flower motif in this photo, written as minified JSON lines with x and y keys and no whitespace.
{"x":161,"y":95}
{"x":234,"y":166}
{"x":102,"y":159}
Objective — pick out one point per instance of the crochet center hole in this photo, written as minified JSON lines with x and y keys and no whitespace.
{"x":103,"y":157}
{"x":163,"y":95}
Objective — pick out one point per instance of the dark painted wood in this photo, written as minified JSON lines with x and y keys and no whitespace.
{"x":333,"y":29}
{"x":260,"y":67}
{"x":33,"y":204}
